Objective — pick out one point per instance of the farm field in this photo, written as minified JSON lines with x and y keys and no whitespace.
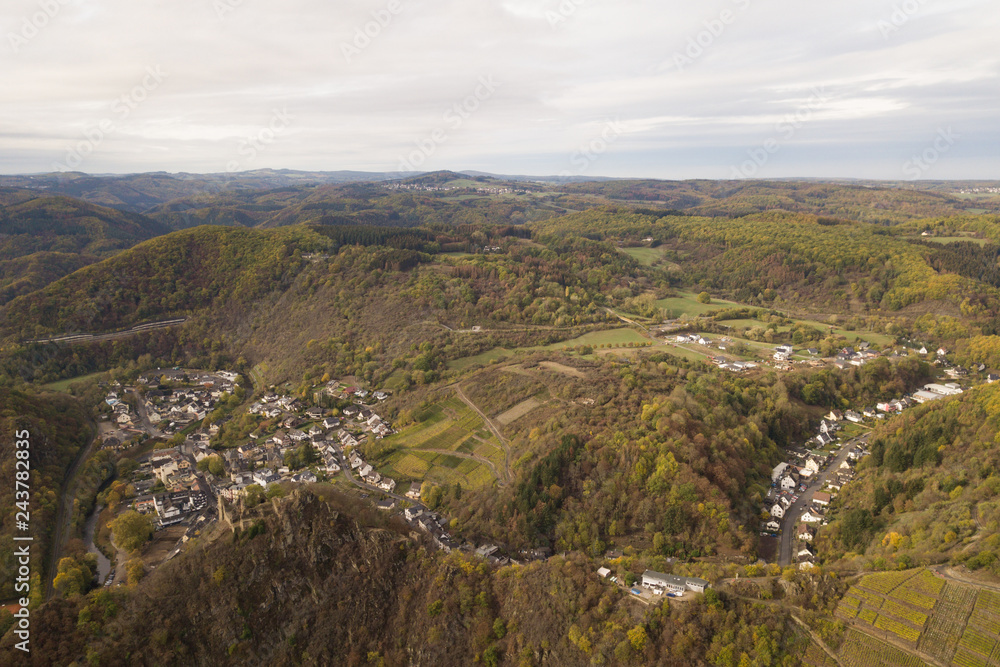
{"x":419,"y":452}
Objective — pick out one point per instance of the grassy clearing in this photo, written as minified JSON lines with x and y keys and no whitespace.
{"x":645,"y":256}
{"x":63,"y":385}
{"x":687,"y":304}
{"x":608,"y":338}
{"x":611,"y":338}
{"x":944,"y":240}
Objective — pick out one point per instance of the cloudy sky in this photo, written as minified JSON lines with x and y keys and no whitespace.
{"x":891,"y":89}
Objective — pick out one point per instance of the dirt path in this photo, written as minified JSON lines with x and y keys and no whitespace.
{"x":491,"y":426}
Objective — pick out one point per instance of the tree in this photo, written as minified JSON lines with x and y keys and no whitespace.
{"x":637,"y":638}
{"x":704,"y":297}
{"x":135,"y":571}
{"x":131,"y":530}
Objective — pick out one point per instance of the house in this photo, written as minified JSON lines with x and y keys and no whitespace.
{"x":835,"y":415}
{"x":314,"y":413}
{"x":821,"y":498}
{"x":942,"y":352}
{"x":804,"y":532}
{"x":804,"y":552}
{"x":853,"y":416}
{"x":812,"y":466}
{"x":784,"y":349}
{"x":603,"y":572}
{"x":813,"y":351}
{"x":264,"y":477}
{"x":992,"y":377}
{"x":773,"y":526}
{"x":386,"y":505}
{"x":788,"y":483}
{"x":812,"y":516}
{"x":306,"y":477}
{"x":823,"y":439}
{"x":672,"y":583}
{"x":778,"y":471}
{"x":414,"y":491}
{"x":365,"y":470}
{"x":331,"y":422}
{"x":387,"y":484}
{"x":778,"y":511}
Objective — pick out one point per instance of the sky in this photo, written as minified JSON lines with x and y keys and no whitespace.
{"x":885,"y":89}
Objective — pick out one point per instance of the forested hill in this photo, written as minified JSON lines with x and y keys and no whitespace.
{"x":62,"y":224}
{"x":325,"y":582}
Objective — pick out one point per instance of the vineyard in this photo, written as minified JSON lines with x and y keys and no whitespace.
{"x":817,"y":657}
{"x":980,"y":643}
{"x":948,"y":622}
{"x":953,"y":623}
{"x":860,"y":650}
{"x":893,"y":603}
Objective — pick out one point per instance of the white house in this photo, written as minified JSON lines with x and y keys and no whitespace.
{"x":778,"y":511}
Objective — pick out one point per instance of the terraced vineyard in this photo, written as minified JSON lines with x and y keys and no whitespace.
{"x":951,"y":622}
{"x":948,"y":621}
{"x":861,"y":650}
{"x":893,"y":604}
{"x":980,"y":643}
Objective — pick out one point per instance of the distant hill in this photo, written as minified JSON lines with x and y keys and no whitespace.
{"x":139,"y":193}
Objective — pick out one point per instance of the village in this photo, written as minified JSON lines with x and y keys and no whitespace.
{"x":826,"y":463}
{"x":181,"y":486}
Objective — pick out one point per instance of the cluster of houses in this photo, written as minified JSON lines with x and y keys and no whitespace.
{"x":371,"y":476}
{"x":186,"y":495}
{"x":859,"y":355}
{"x":197,"y":396}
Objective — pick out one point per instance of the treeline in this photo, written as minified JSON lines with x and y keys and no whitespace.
{"x":58,"y":428}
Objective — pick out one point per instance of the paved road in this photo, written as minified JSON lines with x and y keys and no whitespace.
{"x":799,"y":506}
{"x":147,"y":426}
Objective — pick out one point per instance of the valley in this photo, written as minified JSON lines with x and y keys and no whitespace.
{"x":455,"y":419}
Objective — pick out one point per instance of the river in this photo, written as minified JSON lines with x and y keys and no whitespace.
{"x":103,"y":564}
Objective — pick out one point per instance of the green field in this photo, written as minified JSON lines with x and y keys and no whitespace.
{"x":646,"y":256}
{"x":948,"y":239}
{"x":687,"y":304}
{"x":610,"y":338}
{"x":63,"y":385}
{"x":449,"y":425}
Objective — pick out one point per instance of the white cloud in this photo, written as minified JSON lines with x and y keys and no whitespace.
{"x":562,"y":80}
